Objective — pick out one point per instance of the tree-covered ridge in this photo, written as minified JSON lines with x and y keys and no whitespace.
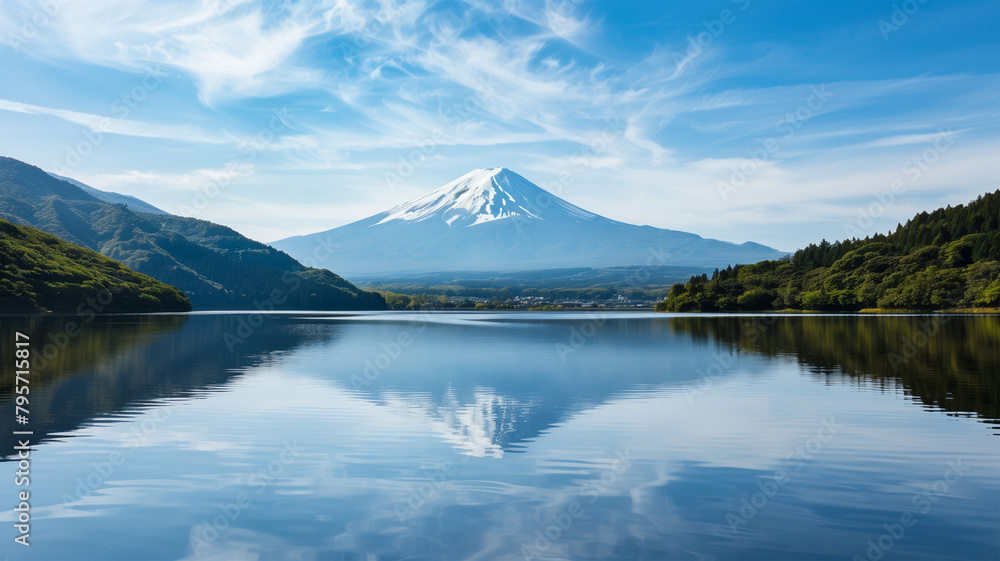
{"x":215,"y":266}
{"x":949,"y":258}
{"x":42,"y":272}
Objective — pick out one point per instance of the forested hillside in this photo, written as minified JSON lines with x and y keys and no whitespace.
{"x":943,"y":259}
{"x":215,"y":266}
{"x":43,"y":273}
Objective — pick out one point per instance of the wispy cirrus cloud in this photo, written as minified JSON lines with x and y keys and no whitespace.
{"x":904,"y":139}
{"x":113,"y":125}
{"x":168,"y":181}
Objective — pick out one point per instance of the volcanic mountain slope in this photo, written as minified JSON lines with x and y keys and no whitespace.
{"x":496,"y":220}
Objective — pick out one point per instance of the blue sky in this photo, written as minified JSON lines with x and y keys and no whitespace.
{"x":780,"y":122}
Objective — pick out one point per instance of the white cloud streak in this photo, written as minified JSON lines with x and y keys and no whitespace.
{"x":112,"y":125}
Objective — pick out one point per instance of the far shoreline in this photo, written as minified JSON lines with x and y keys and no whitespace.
{"x":645,"y":310}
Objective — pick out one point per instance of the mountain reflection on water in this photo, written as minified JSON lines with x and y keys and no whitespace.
{"x":458,"y":436}
{"x":486,"y":399}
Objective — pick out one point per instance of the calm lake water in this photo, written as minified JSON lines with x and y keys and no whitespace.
{"x":508,"y":436}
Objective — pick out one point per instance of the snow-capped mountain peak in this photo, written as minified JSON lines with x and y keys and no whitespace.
{"x":484,"y":195}
{"x":495,"y":220}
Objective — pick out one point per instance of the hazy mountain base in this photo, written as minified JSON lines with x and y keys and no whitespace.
{"x":942,"y":260}
{"x":548,"y":285}
{"x":43,"y":273}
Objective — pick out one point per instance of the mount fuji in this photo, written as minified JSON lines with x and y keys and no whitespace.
{"x":496,"y":220}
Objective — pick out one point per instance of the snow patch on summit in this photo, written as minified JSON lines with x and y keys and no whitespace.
{"x":482,"y":196}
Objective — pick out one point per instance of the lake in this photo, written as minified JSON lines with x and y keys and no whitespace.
{"x":454,"y":436}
